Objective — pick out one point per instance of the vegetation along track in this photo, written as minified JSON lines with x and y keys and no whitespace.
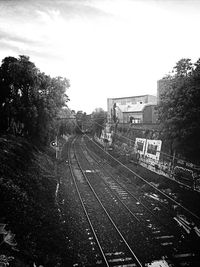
{"x":154,"y":213}
{"x":109,"y":242}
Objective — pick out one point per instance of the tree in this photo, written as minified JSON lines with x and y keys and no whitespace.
{"x":67,"y":121}
{"x":18,"y":78}
{"x":51,"y":99}
{"x":99,"y":117}
{"x":29,"y":98}
{"x":179,"y":109}
{"x":183,"y":67}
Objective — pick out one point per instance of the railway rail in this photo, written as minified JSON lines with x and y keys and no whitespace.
{"x":181,"y":249}
{"x":111,"y":247}
{"x":156,"y":193}
{"x":123,"y":225}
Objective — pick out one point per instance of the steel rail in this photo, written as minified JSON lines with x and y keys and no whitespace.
{"x":91,"y":154}
{"x":131,"y":194}
{"x":108,"y":216}
{"x":127,"y":208}
{"x":83,"y":206}
{"x":137,"y":199}
{"x":140,"y":177}
{"x":126,"y":191}
{"x":167,"y":227}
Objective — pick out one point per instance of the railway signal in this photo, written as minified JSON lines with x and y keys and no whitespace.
{"x":53,"y":144}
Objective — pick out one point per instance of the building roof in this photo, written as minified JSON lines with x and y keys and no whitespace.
{"x":115,"y":98}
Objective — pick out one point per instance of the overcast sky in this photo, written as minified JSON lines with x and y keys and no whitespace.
{"x":106,"y":48}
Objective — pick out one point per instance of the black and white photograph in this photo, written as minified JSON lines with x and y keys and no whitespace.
{"x":99,"y":133}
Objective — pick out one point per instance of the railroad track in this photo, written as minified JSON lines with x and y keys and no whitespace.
{"x":156,"y":194}
{"x":111,"y":247}
{"x":179,"y":249}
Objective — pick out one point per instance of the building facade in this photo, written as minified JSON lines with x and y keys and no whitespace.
{"x":150,"y":114}
{"x":131,"y":109}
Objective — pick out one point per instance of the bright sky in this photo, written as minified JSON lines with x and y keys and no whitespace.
{"x":106,"y":48}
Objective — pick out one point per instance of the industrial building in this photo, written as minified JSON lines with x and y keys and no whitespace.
{"x":135,"y":109}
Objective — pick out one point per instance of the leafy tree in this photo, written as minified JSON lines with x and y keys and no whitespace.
{"x":179,"y":110}
{"x":99,"y":117}
{"x":67,"y":121}
{"x":51,"y":100}
{"x":17,"y":78}
{"x":30,"y":98}
{"x":183,"y":67}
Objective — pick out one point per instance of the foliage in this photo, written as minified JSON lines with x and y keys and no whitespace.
{"x":67,"y":122}
{"x":83,"y":122}
{"x":183,"y":67}
{"x":30,"y":105}
{"x":29,"y":99}
{"x":27,"y":194}
{"x":179,"y":109}
{"x":98,"y":121}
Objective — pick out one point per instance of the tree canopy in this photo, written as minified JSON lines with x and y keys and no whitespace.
{"x":179,"y":109}
{"x":29,"y":99}
{"x":98,"y":120}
